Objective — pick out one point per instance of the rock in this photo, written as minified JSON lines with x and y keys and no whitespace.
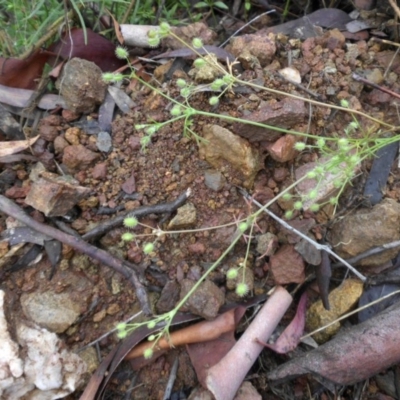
{"x":55,"y":195}
{"x":226,"y":151}
{"x":205,"y":301}
{"x":325,"y":188}
{"x":341,"y":300}
{"x":129,"y":186}
{"x":60,"y":144}
{"x":287,"y":266}
{"x":53,"y":311}
{"x":199,"y":393}
{"x":81,"y":85}
{"x":104,"y":142}
{"x":282,"y":114}
{"x":267,"y":244}
{"x":37,"y":366}
{"x":185,"y":217}
{"x":78,"y":158}
{"x":283,"y":149}
{"x":100,"y":171}
{"x":188,"y":33}
{"x":72,"y":135}
{"x":169,"y":297}
{"x":214,"y":180}
{"x":48,"y":130}
{"x":368,"y":228}
{"x":308,"y":251}
{"x":247,"y":392}
{"x":261,"y":46}
{"x":280,"y":174}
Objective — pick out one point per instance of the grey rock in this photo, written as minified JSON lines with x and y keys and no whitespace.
{"x":54,"y":311}
{"x":214,"y":180}
{"x":267,"y":244}
{"x":169,"y":297}
{"x":205,"y":301}
{"x":104,"y":142}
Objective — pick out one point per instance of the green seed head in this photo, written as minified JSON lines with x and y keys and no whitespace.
{"x":314,"y":207}
{"x":232,"y":273}
{"x":127,"y":237}
{"x":176,"y":111}
{"x":289,"y":214}
{"x":298,"y":205}
{"x":333,"y":201}
{"x":181,"y":83}
{"x":165,"y":28}
{"x":153,"y":41}
{"x":108,"y":77}
{"x":197,"y":43}
{"x":242,"y":289}
{"x":185,"y":92}
{"x":121,"y":53}
{"x":287,"y":196}
{"x":199,"y":63}
{"x":313,"y":194}
{"x":321,"y":143}
{"x":300,"y":146}
{"x":311,"y":174}
{"x":151,"y":338}
{"x":151,"y":325}
{"x":122,"y":334}
{"x":121,"y":326}
{"x":130,"y":222}
{"x":243,"y":226}
{"x":213,"y":100}
{"x":148,"y":353}
{"x":216,"y":85}
{"x":148,"y":248}
{"x":344,"y":103}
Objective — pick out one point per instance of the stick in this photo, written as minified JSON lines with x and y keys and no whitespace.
{"x":10,"y":208}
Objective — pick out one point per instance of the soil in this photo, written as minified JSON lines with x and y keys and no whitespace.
{"x":131,"y":177}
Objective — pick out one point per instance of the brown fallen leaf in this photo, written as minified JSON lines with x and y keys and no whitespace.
{"x":23,"y":74}
{"x":15,"y":146}
{"x":97,"y":49}
{"x":353,"y":356}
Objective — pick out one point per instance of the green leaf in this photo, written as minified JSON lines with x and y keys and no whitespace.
{"x":201,"y":4}
{"x":221,"y":5}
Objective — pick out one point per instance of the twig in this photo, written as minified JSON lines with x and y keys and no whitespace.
{"x":171,"y":380}
{"x":370,"y":252}
{"x":305,"y":237}
{"x":395,"y":7}
{"x":139,"y":212}
{"x":359,"y":78}
{"x":10,"y":208}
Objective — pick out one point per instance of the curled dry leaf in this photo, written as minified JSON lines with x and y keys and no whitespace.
{"x":201,"y":332}
{"x":15,"y":146}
